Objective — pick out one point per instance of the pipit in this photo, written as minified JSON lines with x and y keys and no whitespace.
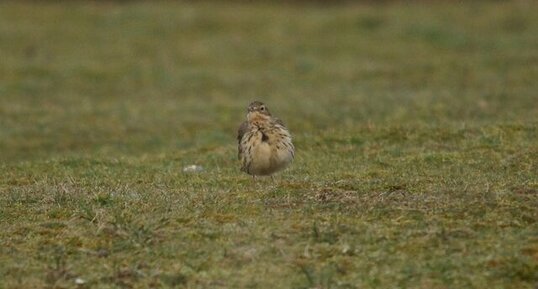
{"x":264,"y":143}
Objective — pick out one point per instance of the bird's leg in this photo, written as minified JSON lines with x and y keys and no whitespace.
{"x":273,"y":178}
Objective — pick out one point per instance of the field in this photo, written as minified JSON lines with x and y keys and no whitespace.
{"x":416,"y":128}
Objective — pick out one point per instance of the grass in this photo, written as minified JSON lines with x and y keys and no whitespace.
{"x":415,"y":126}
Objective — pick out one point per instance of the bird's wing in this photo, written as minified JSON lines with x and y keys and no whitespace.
{"x":279,"y":121}
{"x":243,"y":128}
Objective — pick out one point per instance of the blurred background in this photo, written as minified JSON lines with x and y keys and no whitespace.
{"x":415,"y":126}
{"x":112,"y":78}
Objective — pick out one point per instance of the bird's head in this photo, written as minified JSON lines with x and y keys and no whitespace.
{"x":257,"y":110}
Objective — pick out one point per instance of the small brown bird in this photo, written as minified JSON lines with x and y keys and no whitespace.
{"x":264,"y":143}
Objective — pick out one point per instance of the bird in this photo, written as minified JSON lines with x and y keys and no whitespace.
{"x":264,"y":143}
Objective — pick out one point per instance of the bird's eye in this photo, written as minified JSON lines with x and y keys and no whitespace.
{"x":262,"y":108}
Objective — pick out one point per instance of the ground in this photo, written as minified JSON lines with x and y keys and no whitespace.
{"x":415,"y":127}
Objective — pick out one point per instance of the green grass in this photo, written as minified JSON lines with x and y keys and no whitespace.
{"x":415,"y":127}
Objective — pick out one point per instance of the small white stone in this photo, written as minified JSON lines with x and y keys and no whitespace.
{"x":193,"y":169}
{"x":79,"y":281}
